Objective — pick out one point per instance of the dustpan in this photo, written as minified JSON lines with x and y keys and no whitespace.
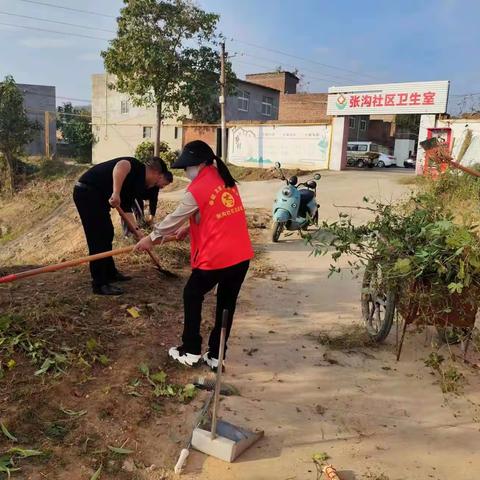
{"x":219,"y":438}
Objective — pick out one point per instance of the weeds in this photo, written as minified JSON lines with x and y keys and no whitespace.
{"x":15,"y":338}
{"x":158,"y":382}
{"x":349,"y":337}
{"x":451,"y":380}
{"x":9,"y":460}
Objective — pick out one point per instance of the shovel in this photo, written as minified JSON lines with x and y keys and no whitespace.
{"x":135,"y":230}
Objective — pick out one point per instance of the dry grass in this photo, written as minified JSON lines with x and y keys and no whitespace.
{"x":410,"y":180}
{"x":347,"y":338}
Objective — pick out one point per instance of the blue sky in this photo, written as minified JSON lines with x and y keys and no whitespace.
{"x":372,"y":41}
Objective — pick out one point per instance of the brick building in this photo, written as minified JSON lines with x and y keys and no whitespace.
{"x":251,"y":102}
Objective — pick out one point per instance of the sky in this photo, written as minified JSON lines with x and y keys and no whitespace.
{"x":341,"y":42}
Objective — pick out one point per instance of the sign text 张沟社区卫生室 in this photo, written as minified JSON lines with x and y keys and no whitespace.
{"x":389,"y":98}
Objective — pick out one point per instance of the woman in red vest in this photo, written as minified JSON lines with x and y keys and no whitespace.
{"x":221,"y":249}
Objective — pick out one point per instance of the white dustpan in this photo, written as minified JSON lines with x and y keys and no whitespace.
{"x":222,"y":439}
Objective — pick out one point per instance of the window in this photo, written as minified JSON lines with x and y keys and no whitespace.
{"x":147,"y":132}
{"x":176,"y":133}
{"x":243,"y":100}
{"x":351,"y":122}
{"x":267,"y":103}
{"x":124,"y":107}
{"x":374,"y":147}
{"x":363,"y":148}
{"x":363,"y":125}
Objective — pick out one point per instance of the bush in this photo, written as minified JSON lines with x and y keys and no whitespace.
{"x":425,"y":254}
{"x":145,"y":150}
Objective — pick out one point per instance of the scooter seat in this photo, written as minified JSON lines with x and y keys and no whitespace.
{"x":306,"y":195}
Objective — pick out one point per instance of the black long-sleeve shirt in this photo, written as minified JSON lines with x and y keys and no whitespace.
{"x":100,"y":177}
{"x":152,"y":196}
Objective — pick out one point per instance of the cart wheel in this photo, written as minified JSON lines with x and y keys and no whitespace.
{"x":378,"y":305}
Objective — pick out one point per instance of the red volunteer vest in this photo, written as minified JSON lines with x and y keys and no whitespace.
{"x":221,"y":238}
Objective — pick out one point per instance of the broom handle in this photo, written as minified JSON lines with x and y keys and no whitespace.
{"x":470,"y":171}
{"x":138,"y":234}
{"x":459,"y":166}
{"x":218,"y":383}
{"x":67,"y":264}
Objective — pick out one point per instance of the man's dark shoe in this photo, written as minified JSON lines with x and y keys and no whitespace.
{"x":120,"y":277}
{"x":107,"y":289}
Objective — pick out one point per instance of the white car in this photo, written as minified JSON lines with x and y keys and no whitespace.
{"x":385,"y":160}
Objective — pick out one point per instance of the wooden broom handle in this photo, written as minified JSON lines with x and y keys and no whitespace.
{"x":67,"y":264}
{"x":456,"y":165}
{"x":138,"y":235}
{"x":470,"y":171}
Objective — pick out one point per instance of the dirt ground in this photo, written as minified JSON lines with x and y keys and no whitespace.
{"x":309,"y":391}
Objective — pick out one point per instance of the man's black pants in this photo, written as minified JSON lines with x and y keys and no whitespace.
{"x":94,"y":212}
{"x":229,"y":281}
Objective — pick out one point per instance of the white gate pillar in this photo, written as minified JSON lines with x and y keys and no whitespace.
{"x":338,"y":152}
{"x":426,"y":122}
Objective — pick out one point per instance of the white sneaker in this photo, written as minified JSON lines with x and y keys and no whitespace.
{"x":212,"y":362}
{"x":180,"y":355}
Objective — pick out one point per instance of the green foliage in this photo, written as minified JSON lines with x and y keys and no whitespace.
{"x":9,"y":460}
{"x":76,"y":128}
{"x":161,"y":388}
{"x":144,"y":151}
{"x":451,"y":380}
{"x":408,"y":123}
{"x":46,"y":357}
{"x":160,"y":56}
{"x":16,"y":130}
{"x":424,"y":252}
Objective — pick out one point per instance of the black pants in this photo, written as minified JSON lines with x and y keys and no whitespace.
{"x":94,"y":212}
{"x":229,"y":282}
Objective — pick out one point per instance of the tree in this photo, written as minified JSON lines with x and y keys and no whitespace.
{"x":76,"y":128}
{"x":160,"y":57}
{"x":16,"y":130}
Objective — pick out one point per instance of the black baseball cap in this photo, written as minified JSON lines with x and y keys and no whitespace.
{"x":194,"y":153}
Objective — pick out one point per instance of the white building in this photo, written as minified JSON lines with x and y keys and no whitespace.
{"x":119,"y":127}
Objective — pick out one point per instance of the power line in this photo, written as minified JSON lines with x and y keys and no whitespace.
{"x":57,"y":22}
{"x":53,"y":96}
{"x":233,"y":39}
{"x":54,"y":31}
{"x":45,"y":4}
{"x":302,"y":70}
{"x":266,"y":67}
{"x":302,"y":58}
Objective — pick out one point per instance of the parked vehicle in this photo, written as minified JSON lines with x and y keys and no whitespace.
{"x":367,"y":154}
{"x":385,"y":160}
{"x":295,"y":207}
{"x":410,"y":162}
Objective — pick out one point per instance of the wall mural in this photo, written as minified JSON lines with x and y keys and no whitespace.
{"x":305,"y":146}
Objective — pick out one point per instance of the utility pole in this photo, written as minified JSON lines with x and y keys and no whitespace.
{"x":222,"y":99}
{"x":47,"y":134}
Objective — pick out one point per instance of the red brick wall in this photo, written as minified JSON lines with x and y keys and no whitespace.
{"x":279,"y":80}
{"x":303,"y":107}
{"x":207,"y":133}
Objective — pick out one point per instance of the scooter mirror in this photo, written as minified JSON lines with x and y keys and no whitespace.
{"x":277,"y":165}
{"x":317,"y":176}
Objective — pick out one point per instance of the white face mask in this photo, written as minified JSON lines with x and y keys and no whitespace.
{"x":192,"y":172}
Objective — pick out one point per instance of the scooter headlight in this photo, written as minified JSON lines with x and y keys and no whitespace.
{"x":286,"y":192}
